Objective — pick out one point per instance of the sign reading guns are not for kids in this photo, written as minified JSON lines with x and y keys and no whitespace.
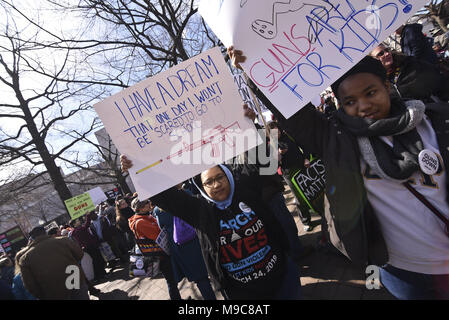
{"x":296,"y":49}
{"x":178,"y":123}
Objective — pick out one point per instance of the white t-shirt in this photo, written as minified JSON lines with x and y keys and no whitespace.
{"x":414,"y":236}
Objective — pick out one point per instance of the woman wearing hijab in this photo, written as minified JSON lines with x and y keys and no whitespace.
{"x":243,"y":245}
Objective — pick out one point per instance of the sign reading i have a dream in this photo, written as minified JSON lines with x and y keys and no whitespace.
{"x":178,"y":123}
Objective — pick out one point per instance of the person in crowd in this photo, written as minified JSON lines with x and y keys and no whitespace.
{"x":18,"y":289}
{"x":270,"y":186}
{"x":43,"y":266}
{"x":244,"y":246}
{"x":415,"y":44}
{"x":144,"y":226}
{"x":5,"y":291}
{"x":54,"y":232}
{"x":123,"y":212}
{"x":108,"y":210}
{"x":411,"y":78}
{"x":90,"y":244}
{"x":441,"y":38}
{"x":373,"y":153}
{"x":292,"y":159}
{"x":101,"y":227}
{"x":186,"y":258}
{"x":329,"y":107}
{"x":6,"y":270}
{"x":440,"y":51}
{"x":65,"y":232}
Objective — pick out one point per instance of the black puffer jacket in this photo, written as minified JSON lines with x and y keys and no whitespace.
{"x":415,"y":79}
{"x":414,"y":43}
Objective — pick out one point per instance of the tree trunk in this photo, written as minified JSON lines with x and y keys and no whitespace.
{"x":441,"y":22}
{"x":49,"y":163}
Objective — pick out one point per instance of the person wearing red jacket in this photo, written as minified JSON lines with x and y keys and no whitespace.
{"x":144,"y":225}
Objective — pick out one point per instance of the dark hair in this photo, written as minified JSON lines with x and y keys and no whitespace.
{"x":37,"y":231}
{"x":52,"y":231}
{"x":273,"y":125}
{"x":366,"y":65}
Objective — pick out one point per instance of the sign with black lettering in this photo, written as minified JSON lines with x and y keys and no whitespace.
{"x":113,"y":193}
{"x":310,"y":182}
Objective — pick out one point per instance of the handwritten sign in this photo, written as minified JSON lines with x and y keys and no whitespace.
{"x":113,"y":193}
{"x":178,"y":123}
{"x":79,"y":205}
{"x":296,"y":49}
{"x":311,"y":181}
{"x":244,"y":90}
{"x":97,"y":195}
{"x":12,"y":240}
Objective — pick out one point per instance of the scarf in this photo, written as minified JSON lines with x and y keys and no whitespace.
{"x":220,"y":204}
{"x":396,"y":163}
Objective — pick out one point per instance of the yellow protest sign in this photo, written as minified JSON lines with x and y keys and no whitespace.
{"x":79,"y":205}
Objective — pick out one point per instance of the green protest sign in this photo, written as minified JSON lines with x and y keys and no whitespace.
{"x":79,"y":205}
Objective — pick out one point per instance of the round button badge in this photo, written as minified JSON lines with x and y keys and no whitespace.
{"x":428,"y":162}
{"x":139,"y":263}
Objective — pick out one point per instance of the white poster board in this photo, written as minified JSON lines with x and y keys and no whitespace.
{"x":178,"y":123}
{"x":296,"y":49}
{"x":97,"y":195}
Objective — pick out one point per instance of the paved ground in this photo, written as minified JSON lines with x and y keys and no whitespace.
{"x":324,"y":276}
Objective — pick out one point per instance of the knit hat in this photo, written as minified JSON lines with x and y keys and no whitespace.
{"x":136,"y":204}
{"x":366,"y":65}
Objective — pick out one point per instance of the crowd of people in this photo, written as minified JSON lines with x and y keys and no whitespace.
{"x":229,"y":228}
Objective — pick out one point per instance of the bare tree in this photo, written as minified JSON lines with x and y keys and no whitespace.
{"x":103,"y":163}
{"x":438,"y":12}
{"x":35,"y":102}
{"x":118,"y":44}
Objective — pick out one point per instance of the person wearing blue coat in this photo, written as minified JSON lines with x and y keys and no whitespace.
{"x":18,"y":289}
{"x":187,"y":259}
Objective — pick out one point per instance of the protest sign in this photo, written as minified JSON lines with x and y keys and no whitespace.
{"x":51,"y":225}
{"x":113,"y":193}
{"x":244,"y":90}
{"x":97,"y":195}
{"x":309,"y":184}
{"x":296,"y":49}
{"x":178,"y":123}
{"x":12,"y":240}
{"x":79,"y":205}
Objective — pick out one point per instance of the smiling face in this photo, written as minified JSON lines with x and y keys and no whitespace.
{"x":384,"y":55}
{"x":364,"y":95}
{"x":216,"y":184}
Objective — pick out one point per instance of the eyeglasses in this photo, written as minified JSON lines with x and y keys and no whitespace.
{"x":209,"y":183}
{"x":382,"y":53}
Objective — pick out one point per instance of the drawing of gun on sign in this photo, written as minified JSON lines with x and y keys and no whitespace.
{"x":269,"y":29}
{"x":214,"y":137}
